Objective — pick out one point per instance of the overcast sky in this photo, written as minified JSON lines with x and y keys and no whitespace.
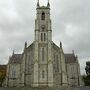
{"x":70,"y":24}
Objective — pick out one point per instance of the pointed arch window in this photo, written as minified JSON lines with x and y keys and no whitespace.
{"x":44,"y":36}
{"x":41,"y":36}
{"x":42,"y":54}
{"x":43,"y":16}
{"x":13,"y":72}
{"x":56,"y":63}
{"x":43,"y":74}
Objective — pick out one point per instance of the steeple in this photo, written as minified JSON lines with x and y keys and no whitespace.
{"x":48,"y":4}
{"x":38,"y":4}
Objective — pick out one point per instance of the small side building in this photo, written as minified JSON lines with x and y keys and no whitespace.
{"x":13,"y":70}
{"x":73,"y":70}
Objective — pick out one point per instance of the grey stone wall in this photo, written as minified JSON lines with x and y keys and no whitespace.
{"x":73,"y":75}
{"x":13,"y":74}
{"x":27,"y":66}
{"x":56,"y":65}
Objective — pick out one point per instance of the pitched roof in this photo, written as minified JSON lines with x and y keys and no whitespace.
{"x":15,"y":59}
{"x":55,"y":46}
{"x":70,"y":58}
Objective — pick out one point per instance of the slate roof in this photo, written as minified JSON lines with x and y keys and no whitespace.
{"x":15,"y":59}
{"x":70,"y":58}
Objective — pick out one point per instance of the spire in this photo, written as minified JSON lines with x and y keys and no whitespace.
{"x":48,"y":4}
{"x":77,"y":59}
{"x":38,"y":3}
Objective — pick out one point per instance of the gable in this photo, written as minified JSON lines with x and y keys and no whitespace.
{"x":15,"y":59}
{"x":70,"y":58}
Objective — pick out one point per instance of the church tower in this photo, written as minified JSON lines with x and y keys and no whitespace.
{"x":43,"y":66}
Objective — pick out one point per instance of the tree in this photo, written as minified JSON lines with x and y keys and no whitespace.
{"x":2,"y":77}
{"x":86,"y":77}
{"x":87,"y":68}
{"x":2,"y":73}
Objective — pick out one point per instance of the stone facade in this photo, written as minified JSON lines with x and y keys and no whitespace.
{"x":73,"y":70}
{"x":43,"y":63}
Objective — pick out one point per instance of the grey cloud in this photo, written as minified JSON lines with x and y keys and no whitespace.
{"x":77,"y":14}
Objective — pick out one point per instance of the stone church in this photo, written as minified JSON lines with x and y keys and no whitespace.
{"x":43,"y":63}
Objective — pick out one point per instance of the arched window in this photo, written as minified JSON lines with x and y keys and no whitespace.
{"x":29,"y":64}
{"x":43,"y":74}
{"x":41,"y":36}
{"x":42,"y":54}
{"x":56,"y":63}
{"x":43,"y":16}
{"x":13,"y":72}
{"x":44,"y":36}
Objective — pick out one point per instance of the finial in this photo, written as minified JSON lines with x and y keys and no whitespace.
{"x":13,"y":52}
{"x":73,"y":52}
{"x":60,"y":44}
{"x":38,"y":3}
{"x":48,"y":5}
{"x":26,"y":44}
